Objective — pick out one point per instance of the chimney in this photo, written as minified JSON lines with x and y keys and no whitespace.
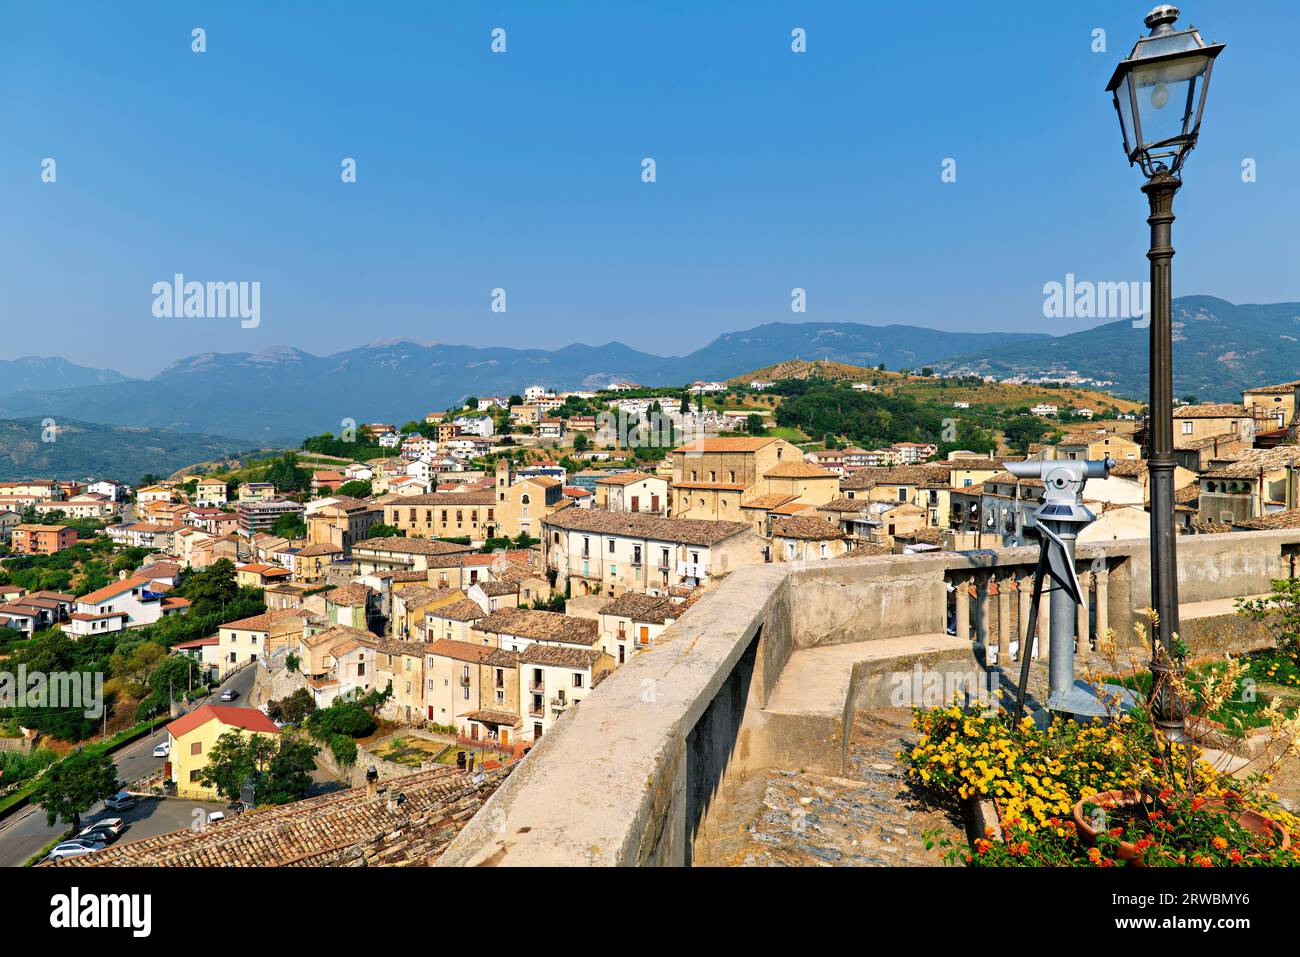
{"x":372,"y":781}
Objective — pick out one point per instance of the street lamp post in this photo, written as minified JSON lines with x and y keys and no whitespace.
{"x":1159,"y":93}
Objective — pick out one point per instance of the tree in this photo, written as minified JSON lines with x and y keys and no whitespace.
{"x":580,"y":442}
{"x":380,"y":530}
{"x":1023,"y":430}
{"x":73,"y":785}
{"x":288,"y":776}
{"x":210,"y":590}
{"x":286,"y":475}
{"x":292,"y":709}
{"x":290,"y":526}
{"x":235,"y":759}
{"x":754,"y":424}
{"x":355,"y":489}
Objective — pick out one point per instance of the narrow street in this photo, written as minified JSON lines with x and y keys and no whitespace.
{"x":25,"y":833}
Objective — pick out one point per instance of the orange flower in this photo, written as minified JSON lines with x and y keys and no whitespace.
{"x":1094,"y":854}
{"x":1219,"y":842}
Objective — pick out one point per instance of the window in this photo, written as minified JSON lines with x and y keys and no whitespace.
{"x":611,"y":546}
{"x":1187,"y":428}
{"x":577,"y":679}
{"x":196,"y":747}
{"x":902,"y":495}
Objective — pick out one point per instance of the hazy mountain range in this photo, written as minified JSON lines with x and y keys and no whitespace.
{"x":1219,"y":349}
{"x":283,"y":394}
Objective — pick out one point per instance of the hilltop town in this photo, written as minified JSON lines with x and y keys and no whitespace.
{"x":428,"y":600}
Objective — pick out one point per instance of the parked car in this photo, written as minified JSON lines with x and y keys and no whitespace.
{"x":162,"y":750}
{"x":121,"y":801}
{"x":230,"y":694}
{"x":215,"y":816}
{"x":74,"y":848}
{"x":107,"y":829}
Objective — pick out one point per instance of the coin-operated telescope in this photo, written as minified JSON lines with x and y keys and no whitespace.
{"x":1059,"y":520}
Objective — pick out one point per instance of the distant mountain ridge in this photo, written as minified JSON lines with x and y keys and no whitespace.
{"x":282,"y":394}
{"x":83,"y":450}
{"x":48,"y":372}
{"x":1219,"y":349}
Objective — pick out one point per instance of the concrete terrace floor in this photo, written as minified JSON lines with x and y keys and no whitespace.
{"x":869,"y":818}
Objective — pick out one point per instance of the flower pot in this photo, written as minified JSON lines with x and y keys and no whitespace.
{"x":1250,"y":820}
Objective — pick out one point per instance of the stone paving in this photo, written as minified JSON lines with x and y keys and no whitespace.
{"x":870,"y":818}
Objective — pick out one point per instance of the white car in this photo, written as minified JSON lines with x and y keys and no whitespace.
{"x":74,"y":848}
{"x":215,"y":816}
{"x":163,"y":750}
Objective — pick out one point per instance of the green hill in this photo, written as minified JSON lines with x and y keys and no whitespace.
{"x":83,"y":450}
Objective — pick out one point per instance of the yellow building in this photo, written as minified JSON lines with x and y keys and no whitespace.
{"x":191,"y":738}
{"x":471,"y":515}
{"x":1272,"y":406}
{"x":711,"y":477}
{"x":1098,"y":444}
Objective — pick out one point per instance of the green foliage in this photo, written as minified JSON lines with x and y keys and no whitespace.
{"x":289,"y":526}
{"x":344,"y":716}
{"x":75,"y":784}
{"x":380,"y":530}
{"x":292,"y":709}
{"x":235,"y":759}
{"x":327,"y":444}
{"x":287,"y":475}
{"x":820,"y":407}
{"x":1280,"y":613}
{"x":1023,"y":430}
{"x":754,"y":424}
{"x":355,"y":489}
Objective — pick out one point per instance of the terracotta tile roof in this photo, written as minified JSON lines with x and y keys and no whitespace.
{"x":540,"y":626}
{"x":867,"y":550}
{"x":352,"y":595}
{"x":925,"y":476}
{"x":495,"y":717}
{"x":736,"y":444}
{"x":1210,"y":410}
{"x":769,"y":501}
{"x":409,"y":822}
{"x":799,"y":470}
{"x":335,"y":633}
{"x":250,"y":719}
{"x":623,"y":478}
{"x":411,"y":546}
{"x":467,"y":609}
{"x":459,"y":650}
{"x":321,"y":548}
{"x":805,"y":527}
{"x":1290,"y":518}
{"x":1281,"y":388}
{"x":853,"y":505}
{"x":498,"y":588}
{"x":1253,"y":461}
{"x":689,"y":531}
{"x":113,"y":590}
{"x":641,"y":607}
{"x":560,"y":656}
{"x":448,"y":499}
{"x":263,"y":621}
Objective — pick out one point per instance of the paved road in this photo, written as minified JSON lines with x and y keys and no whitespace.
{"x":26,"y":832}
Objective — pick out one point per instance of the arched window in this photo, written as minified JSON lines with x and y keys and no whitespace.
{"x":524,"y":499}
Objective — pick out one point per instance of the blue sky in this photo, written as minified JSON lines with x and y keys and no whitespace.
{"x":522,"y":170}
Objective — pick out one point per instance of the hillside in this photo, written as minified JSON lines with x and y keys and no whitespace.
{"x":1219,"y":349}
{"x":85,"y":450}
{"x":939,"y":391}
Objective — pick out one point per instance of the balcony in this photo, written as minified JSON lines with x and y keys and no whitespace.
{"x":464,"y":681}
{"x":537,"y":687}
{"x":784,"y":659}
{"x":559,"y":704}
{"x":535,"y":710}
